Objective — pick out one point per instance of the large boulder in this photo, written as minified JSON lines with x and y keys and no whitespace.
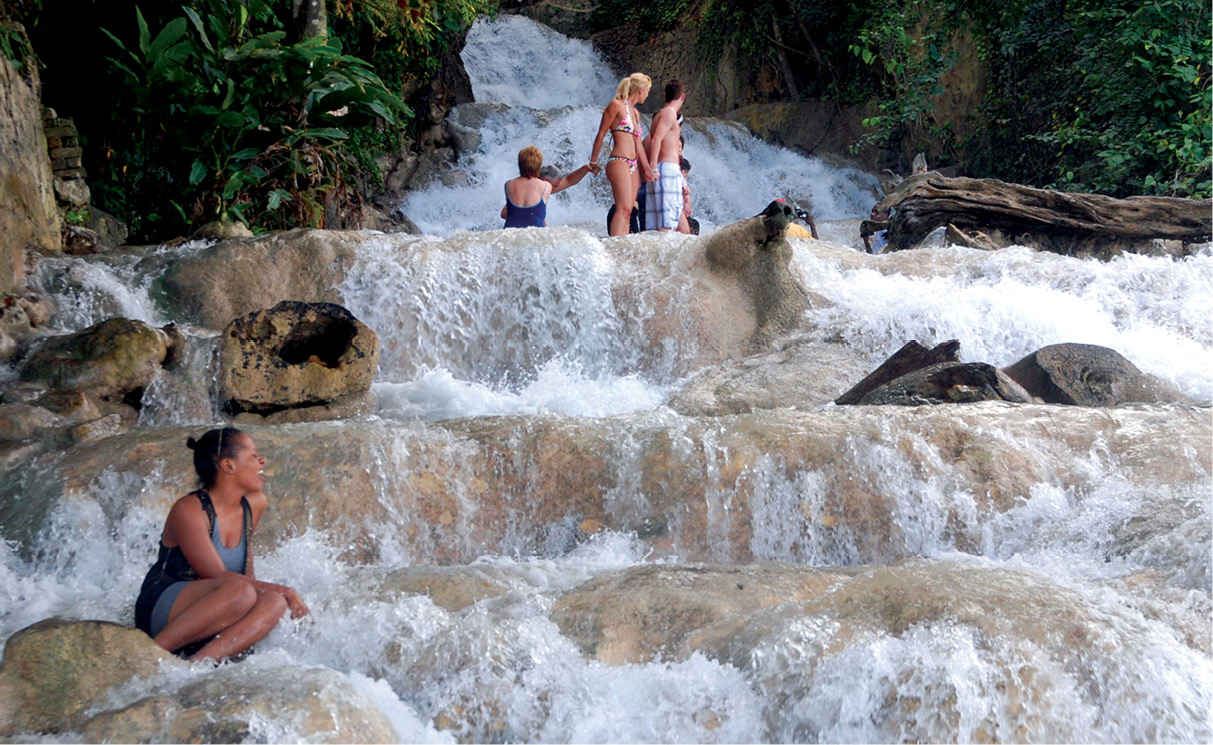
{"x":236,"y":277}
{"x":800,"y":373}
{"x":113,"y":360}
{"x":1088,"y":375}
{"x":755,"y":253}
{"x":295,"y":355}
{"x":56,"y":670}
{"x":235,"y":704}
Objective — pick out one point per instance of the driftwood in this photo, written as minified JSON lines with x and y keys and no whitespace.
{"x":1049,"y":220}
{"x":912,"y":356}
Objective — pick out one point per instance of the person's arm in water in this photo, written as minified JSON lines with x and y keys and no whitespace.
{"x":189,"y":526}
{"x":257,"y":503}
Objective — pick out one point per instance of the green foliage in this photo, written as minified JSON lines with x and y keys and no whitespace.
{"x":241,"y":124}
{"x":648,"y":18}
{"x":15,"y":46}
{"x":76,"y":217}
{"x":1110,"y":96}
{"x":1142,"y":92}
{"x":907,"y":41}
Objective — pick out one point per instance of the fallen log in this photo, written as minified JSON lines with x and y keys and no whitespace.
{"x":1062,"y":222}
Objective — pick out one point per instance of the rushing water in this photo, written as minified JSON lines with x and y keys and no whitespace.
{"x":478,"y":324}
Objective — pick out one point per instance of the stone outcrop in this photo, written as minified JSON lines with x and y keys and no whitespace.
{"x":237,"y":277}
{"x":113,"y":360}
{"x":29,"y":218}
{"x":707,"y":487}
{"x":58,"y":677}
{"x":21,"y":318}
{"x":55,"y":670}
{"x":314,"y":705}
{"x":295,"y":355}
{"x":1067,"y":223}
{"x":1088,"y":375}
{"x":801,"y":372}
{"x":820,"y":128}
{"x":756,"y":254}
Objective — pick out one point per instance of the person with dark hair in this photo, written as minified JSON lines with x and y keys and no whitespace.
{"x":526,"y":204}
{"x":201,"y":599}
{"x":663,"y":198}
{"x":686,"y":223}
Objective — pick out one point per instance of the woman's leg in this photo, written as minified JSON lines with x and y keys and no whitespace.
{"x":249,"y":630}
{"x":204,"y":608}
{"x":625,"y":195}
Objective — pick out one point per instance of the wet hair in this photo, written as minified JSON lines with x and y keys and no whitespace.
{"x":637,"y":81}
{"x":673,"y":90}
{"x":211,"y":448}
{"x":684,"y":165}
{"x":530,"y":159}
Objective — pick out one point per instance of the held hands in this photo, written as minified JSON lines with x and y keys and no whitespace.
{"x":594,"y":167}
{"x":650,"y":175}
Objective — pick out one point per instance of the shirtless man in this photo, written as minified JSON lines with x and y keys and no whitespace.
{"x":663,"y":201}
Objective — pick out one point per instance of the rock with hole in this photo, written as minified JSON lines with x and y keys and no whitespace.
{"x":296,"y":356}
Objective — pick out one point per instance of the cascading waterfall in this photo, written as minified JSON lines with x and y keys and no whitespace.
{"x":535,"y":87}
{"x":530,"y":324}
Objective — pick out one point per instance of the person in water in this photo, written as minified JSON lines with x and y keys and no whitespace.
{"x":663,"y":200}
{"x":526,"y":197}
{"x":201,"y":598}
{"x":623,"y":121}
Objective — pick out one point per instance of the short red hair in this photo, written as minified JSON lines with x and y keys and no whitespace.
{"x":530,"y":160}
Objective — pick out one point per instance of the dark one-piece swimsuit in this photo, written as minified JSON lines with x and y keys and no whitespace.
{"x":171,"y":572}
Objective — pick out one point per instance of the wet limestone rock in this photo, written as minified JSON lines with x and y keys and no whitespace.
{"x":1088,"y":375}
{"x":233,"y":703}
{"x":54,"y":670}
{"x":113,"y":360}
{"x":656,"y":611}
{"x":29,"y":217}
{"x":236,"y":277}
{"x":295,"y":355}
{"x":800,"y":372}
{"x":756,"y":254}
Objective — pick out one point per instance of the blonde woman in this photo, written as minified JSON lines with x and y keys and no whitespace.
{"x":623,"y":121}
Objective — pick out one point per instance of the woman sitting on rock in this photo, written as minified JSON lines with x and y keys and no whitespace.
{"x":200,"y":598}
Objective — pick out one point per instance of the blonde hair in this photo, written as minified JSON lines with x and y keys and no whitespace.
{"x":530,"y":159}
{"x":637,"y":81}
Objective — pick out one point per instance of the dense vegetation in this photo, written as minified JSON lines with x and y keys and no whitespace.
{"x":232,"y":109}
{"x":1110,"y":96}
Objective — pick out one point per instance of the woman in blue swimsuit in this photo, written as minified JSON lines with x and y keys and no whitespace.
{"x":201,"y":598}
{"x":526,"y":197}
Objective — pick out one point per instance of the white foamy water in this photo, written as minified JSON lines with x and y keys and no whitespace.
{"x":1002,"y":305}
